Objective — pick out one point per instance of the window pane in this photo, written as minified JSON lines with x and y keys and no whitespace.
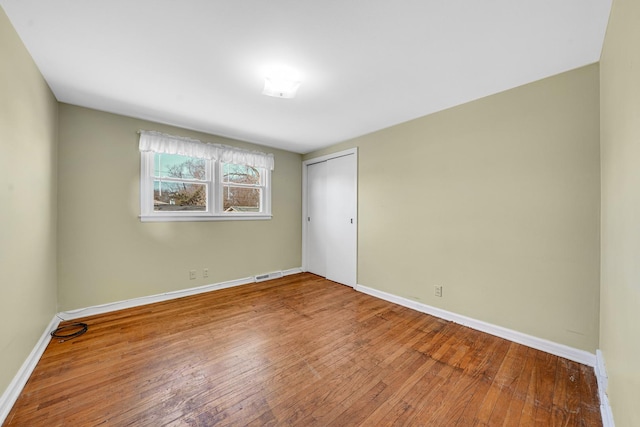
{"x":241,"y":199}
{"x":178,"y":196}
{"x":176,"y":166}
{"x":240,"y":174}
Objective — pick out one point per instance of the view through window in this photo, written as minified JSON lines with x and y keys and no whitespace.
{"x":182,"y":179}
{"x":180,"y":183}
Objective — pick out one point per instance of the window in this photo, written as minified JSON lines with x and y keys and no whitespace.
{"x":243,"y":188}
{"x":183,"y":179}
{"x":180,"y":183}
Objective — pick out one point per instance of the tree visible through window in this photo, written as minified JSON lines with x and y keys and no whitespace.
{"x":241,"y":188}
{"x":179,"y":183}
{"x":182,"y":179}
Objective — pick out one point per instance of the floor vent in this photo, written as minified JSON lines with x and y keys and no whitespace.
{"x":268,"y":276}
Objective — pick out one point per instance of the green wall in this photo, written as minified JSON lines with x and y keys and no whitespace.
{"x":620,"y":139}
{"x":28,"y":139}
{"x":496,"y":200}
{"x":106,"y":254}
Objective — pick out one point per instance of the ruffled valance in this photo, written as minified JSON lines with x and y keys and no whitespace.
{"x":170,"y":144}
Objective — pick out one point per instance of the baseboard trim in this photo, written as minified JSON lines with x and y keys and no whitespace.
{"x":10,"y":395}
{"x":603,"y":383}
{"x":547,"y":346}
{"x":136,"y":302}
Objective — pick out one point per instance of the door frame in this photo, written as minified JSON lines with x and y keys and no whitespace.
{"x":305,"y":163}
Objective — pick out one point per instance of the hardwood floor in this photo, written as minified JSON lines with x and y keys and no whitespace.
{"x":297,"y":351}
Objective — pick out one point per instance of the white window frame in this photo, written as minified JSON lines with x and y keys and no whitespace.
{"x":265,"y":186}
{"x":214,"y":184}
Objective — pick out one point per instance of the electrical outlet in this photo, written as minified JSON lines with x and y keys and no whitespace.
{"x":438,"y":290}
{"x":205,"y":272}
{"x":192,"y":274}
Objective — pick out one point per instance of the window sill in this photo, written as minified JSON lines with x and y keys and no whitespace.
{"x":196,"y":218}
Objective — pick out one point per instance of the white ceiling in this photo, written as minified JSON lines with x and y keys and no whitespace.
{"x":366,"y":64}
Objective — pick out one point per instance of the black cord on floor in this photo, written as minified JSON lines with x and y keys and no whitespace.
{"x":83,"y":328}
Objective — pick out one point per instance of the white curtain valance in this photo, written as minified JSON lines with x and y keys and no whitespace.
{"x":245,"y":157}
{"x":169,"y":144}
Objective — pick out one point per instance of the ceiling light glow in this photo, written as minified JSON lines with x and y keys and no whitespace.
{"x":281,"y":82}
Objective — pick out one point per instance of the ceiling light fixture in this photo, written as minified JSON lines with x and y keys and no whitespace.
{"x":281,"y":82}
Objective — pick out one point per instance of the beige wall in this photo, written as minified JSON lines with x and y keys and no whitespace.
{"x":620,"y":139}
{"x":28,"y":138}
{"x":106,"y":254}
{"x":496,"y":200}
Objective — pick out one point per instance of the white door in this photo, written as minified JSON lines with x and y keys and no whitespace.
{"x":331,"y":238}
{"x":341,"y":219}
{"x":316,"y":218}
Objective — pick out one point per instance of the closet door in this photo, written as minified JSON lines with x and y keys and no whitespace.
{"x":331,"y":238}
{"x":341,"y":219}
{"x":316,"y":245}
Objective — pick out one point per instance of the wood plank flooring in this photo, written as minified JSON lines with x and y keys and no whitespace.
{"x":299,"y":350}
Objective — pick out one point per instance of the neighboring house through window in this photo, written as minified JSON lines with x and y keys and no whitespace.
{"x":183,"y":179}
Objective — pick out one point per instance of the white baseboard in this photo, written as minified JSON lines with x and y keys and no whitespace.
{"x":603,"y":379}
{"x":135,"y":302}
{"x":291,"y":271}
{"x":12,"y":392}
{"x":561,"y":350}
{"x":10,"y":395}
{"x":596,"y":361}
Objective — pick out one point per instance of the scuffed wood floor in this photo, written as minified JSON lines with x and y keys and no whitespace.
{"x":299,"y":350}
